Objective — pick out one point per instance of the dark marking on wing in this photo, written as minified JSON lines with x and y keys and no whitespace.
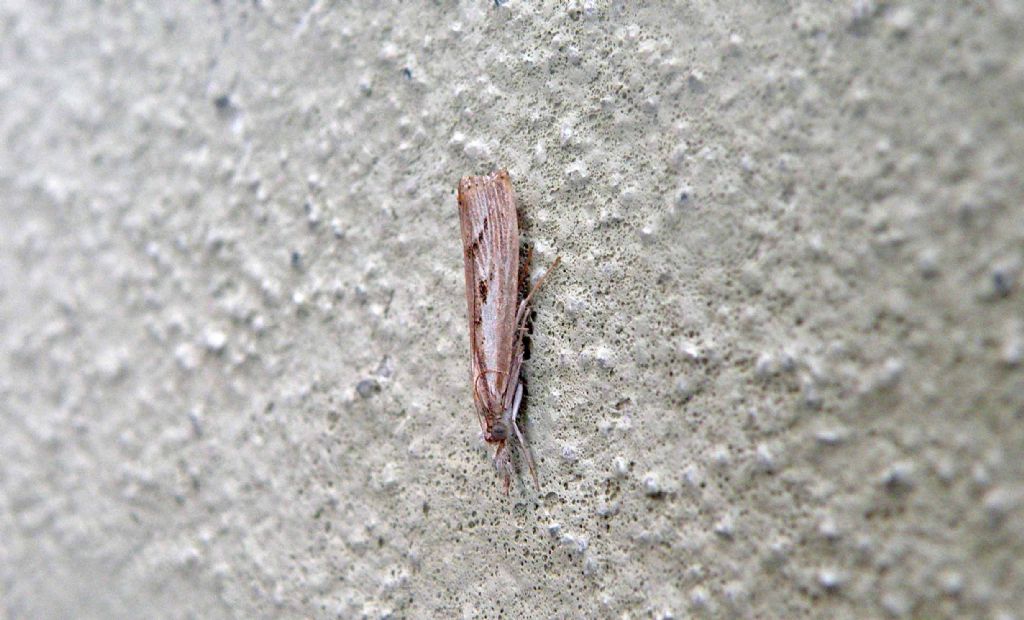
{"x":483,"y":231}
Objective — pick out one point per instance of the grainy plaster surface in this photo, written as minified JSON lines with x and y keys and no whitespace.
{"x":779,"y":373}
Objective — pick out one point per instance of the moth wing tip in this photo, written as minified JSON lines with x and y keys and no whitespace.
{"x":465,"y":185}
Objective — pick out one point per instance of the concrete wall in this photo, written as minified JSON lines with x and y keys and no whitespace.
{"x":778,"y":375}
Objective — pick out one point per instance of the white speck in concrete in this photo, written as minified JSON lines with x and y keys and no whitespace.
{"x":565,"y":134}
{"x":928,"y":262}
{"x":652,"y":485}
{"x":478,"y":150}
{"x":764,"y":459}
{"x":540,"y":153}
{"x":577,"y":173}
{"x":951,"y":582}
{"x":685,"y":388}
{"x":721,"y":458}
{"x":699,"y":598}
{"x":766,"y":365}
{"x":862,"y":10}
{"x":899,"y":477}
{"x":725,"y":527}
{"x":902,"y":19}
{"x":215,"y":340}
{"x":833,"y":436}
{"x":896,"y":604}
{"x":187,"y":356}
{"x":693,"y":476}
{"x":890,"y":373}
{"x":831,"y":579}
{"x":999,"y":502}
{"x":1012,"y":352}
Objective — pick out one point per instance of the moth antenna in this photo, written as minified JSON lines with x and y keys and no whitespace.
{"x":503,"y":464}
{"x":527,"y":456}
{"x":508,"y":483}
{"x":511,"y":416}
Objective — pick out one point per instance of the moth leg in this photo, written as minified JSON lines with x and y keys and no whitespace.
{"x":523,"y":305}
{"x":514,"y":423}
{"x":522,"y":315}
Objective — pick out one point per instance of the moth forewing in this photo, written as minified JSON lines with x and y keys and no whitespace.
{"x":490,"y":238}
{"x":497,"y":317}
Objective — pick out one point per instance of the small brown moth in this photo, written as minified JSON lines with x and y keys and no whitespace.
{"x":498,"y":313}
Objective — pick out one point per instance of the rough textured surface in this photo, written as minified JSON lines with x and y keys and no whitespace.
{"x":778,"y":375}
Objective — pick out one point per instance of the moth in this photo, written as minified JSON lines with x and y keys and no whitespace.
{"x":496,"y":277}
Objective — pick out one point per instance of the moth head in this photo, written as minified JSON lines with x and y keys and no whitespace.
{"x":497,"y":432}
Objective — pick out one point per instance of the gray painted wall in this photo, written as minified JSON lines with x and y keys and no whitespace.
{"x":779,"y":373}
